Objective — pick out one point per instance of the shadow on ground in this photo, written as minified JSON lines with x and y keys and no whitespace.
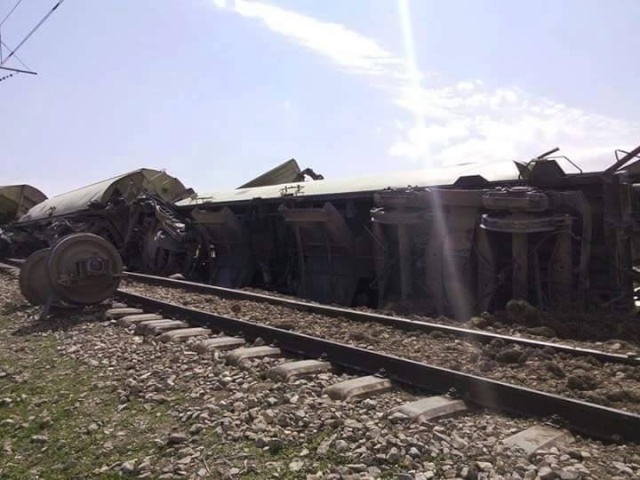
{"x":12,"y":308}
{"x":59,"y":320}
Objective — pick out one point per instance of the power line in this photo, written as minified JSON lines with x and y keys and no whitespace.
{"x":2,"y":43}
{"x":12,"y":53}
{"x":17,"y":70}
{"x":32,"y":30}
{"x":9,"y":14}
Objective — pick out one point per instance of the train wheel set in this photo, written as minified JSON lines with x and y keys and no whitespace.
{"x":81,"y":269}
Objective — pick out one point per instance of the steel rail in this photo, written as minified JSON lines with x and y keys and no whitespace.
{"x":581,"y":417}
{"x":9,"y":268}
{"x":395,"y":322}
{"x":14,"y":262}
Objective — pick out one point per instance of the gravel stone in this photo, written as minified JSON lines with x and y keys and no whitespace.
{"x":546,"y":473}
{"x":541,"y":369}
{"x":296,"y":465}
{"x":581,"y":381}
{"x":200,"y":393}
{"x":177,"y":438}
{"x":128,"y":467}
{"x":509,"y":355}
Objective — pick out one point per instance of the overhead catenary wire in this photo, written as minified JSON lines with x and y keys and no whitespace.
{"x":14,"y":71}
{"x":32,"y":31}
{"x":10,"y":12}
{"x":3,"y":44}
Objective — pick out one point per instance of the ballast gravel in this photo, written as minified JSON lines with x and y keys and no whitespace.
{"x":614,"y":332}
{"x":276,"y":430}
{"x":587,"y":378}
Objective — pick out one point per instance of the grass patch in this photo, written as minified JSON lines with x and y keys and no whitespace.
{"x":59,"y":420}
{"x":62,"y":418}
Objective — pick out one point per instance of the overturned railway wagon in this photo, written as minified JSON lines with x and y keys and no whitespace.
{"x":133,"y":211}
{"x":452,"y":241}
{"x":16,"y":200}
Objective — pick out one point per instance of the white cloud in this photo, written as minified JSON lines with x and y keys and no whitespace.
{"x":342,"y":46}
{"x":471,"y":122}
{"x":464,"y":121}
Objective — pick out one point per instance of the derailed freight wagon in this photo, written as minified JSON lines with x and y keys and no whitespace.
{"x":16,"y":200}
{"x":450,"y":241}
{"x":133,"y":211}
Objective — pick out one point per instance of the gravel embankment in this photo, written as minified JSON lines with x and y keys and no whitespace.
{"x":586,"y":378}
{"x":136,"y":407}
{"x":607,"y":332}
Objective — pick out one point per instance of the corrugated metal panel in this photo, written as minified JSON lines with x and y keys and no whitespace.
{"x":499,"y":171}
{"x":16,"y":200}
{"x":286,"y":172}
{"x":127,"y":185}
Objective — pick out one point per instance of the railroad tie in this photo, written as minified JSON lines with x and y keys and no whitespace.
{"x":235,"y":357}
{"x":183,"y":334}
{"x":156,"y":327}
{"x":538,"y":437}
{"x":218,"y":343}
{"x":116,"y":313}
{"x":429,"y":408}
{"x":292,"y":370}
{"x":359,"y":388}
{"x":129,"y":320}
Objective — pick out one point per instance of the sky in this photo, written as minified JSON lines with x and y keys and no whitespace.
{"x":218,"y":91}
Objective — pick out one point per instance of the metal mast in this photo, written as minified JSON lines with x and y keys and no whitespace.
{"x":12,"y":51}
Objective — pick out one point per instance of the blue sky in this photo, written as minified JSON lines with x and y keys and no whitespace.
{"x":217,"y":92}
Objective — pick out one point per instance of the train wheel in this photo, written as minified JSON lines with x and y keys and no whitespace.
{"x":34,"y":283}
{"x":84,"y":269}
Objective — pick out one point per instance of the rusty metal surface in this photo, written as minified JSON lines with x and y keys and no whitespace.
{"x":16,"y":200}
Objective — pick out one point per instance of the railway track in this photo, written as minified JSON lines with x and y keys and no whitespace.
{"x":446,"y":391}
{"x":631,"y":358}
{"x":450,"y":391}
{"x":236,"y":419}
{"x":391,"y":321}
{"x":13,"y":262}
{"x":610,"y":380}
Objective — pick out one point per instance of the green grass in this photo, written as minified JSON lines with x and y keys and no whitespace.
{"x":59,"y":398}
{"x":76,"y":407}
